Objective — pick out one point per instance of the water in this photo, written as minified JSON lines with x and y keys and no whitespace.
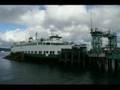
{"x":12,"y":72}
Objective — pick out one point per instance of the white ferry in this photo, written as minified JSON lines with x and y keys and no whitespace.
{"x":51,"y":46}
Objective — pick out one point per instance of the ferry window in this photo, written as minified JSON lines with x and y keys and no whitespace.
{"x":58,"y":51}
{"x":47,"y":43}
{"x":40,"y":52}
{"x":50,"y":52}
{"x":46,"y":51}
{"x":31,"y":52}
{"x":35,"y":52}
{"x":53,"y":52}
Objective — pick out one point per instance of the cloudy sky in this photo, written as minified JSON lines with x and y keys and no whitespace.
{"x":18,"y":22}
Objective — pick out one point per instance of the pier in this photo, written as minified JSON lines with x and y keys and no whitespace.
{"x":98,"y":58}
{"x":104,"y":59}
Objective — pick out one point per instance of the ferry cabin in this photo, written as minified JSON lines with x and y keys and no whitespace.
{"x":51,"y":46}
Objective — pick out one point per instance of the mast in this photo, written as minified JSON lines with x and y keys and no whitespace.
{"x":90,"y":18}
{"x":91,"y":22}
{"x":36,"y":35}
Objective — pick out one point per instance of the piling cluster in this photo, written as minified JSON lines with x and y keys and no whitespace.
{"x":98,"y":58}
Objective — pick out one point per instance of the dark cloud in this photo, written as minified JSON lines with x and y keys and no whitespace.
{"x":12,"y":13}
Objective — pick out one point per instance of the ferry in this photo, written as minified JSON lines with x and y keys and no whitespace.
{"x":45,"y":48}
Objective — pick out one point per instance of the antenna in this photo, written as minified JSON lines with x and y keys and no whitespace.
{"x":52,"y":32}
{"x":91,"y":21}
{"x":36,"y":35}
{"x":109,"y":31}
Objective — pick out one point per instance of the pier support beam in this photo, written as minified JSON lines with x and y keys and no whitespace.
{"x":110,"y":69}
{"x":78,"y":58}
{"x":102,"y":66}
{"x":72,"y":58}
{"x":116,"y":65}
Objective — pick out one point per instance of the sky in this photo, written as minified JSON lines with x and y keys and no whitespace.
{"x":72,"y":22}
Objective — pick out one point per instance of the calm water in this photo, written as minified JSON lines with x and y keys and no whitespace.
{"x":12,"y":72}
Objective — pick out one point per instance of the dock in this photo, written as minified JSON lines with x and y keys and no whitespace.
{"x":105,"y":59}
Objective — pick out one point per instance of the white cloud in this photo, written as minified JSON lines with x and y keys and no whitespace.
{"x":13,"y":13}
{"x":66,"y":12}
{"x":14,"y":35}
{"x":72,"y":22}
{"x":32,"y":18}
{"x":65,"y":15}
{"x":107,"y":16}
{"x":23,"y":35}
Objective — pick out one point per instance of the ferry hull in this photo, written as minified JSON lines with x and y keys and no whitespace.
{"x":41,"y":58}
{"x":33,"y":57}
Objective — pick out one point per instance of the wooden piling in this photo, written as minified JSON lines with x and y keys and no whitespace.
{"x":78,"y":57}
{"x":106,"y":64}
{"x":110,"y":65}
{"x":72,"y":57}
{"x":116,"y":65}
{"x":102,"y":66}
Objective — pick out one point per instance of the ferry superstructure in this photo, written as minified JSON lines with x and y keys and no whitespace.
{"x":50,"y":46}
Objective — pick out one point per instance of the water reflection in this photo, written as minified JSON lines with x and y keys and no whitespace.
{"x":5,"y":69}
{"x":73,"y":75}
{"x":12,"y":72}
